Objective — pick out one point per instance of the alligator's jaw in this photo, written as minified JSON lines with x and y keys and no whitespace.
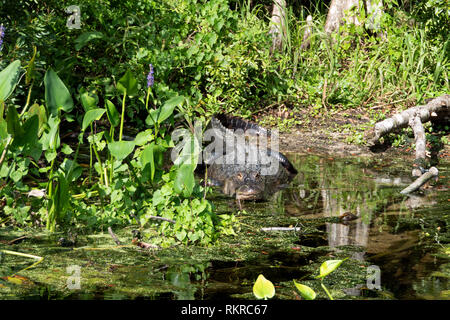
{"x":246,"y":192}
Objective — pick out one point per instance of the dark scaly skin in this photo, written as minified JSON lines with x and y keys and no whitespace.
{"x":225,"y":123}
{"x":239,"y":123}
{"x":246,"y":181}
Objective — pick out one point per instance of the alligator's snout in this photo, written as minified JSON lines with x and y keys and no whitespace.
{"x":247,"y":192}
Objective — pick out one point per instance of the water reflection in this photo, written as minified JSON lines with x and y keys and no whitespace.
{"x":329,"y":189}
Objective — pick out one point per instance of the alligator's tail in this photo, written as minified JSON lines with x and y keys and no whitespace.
{"x":283,"y":160}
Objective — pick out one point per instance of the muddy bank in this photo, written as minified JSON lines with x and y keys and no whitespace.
{"x":330,"y":135}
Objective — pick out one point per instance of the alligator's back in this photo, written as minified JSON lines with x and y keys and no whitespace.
{"x":245,"y":165}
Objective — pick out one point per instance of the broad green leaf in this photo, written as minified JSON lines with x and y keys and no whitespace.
{"x":190,"y":151}
{"x":91,"y":116}
{"x":181,"y":235}
{"x":263,"y":288}
{"x":57,"y":96}
{"x":184,"y":180}
{"x":152,"y":118}
{"x":66,"y":149}
{"x":121,"y":149}
{"x":50,"y":140}
{"x":38,"y":110}
{"x":306,"y":292}
{"x":89,"y":100}
{"x":128,"y":84}
{"x":12,"y":119}
{"x":9,"y":78}
{"x":111,"y":112}
{"x":84,"y":38}
{"x":61,"y":195}
{"x":143,"y":137}
{"x":147,"y":158}
{"x":168,"y":107}
{"x":30,"y":132}
{"x":328,"y":267}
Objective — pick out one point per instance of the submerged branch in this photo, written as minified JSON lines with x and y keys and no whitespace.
{"x":163,"y":219}
{"x":281,"y":229}
{"x":433,"y":172}
{"x":116,"y":240}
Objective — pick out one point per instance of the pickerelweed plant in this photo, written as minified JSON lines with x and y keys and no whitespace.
{"x":136,"y":184}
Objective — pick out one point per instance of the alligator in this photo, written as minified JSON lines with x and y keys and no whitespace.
{"x":244,"y":180}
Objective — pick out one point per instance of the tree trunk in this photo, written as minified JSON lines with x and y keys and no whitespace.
{"x":374,"y":9}
{"x":337,"y":13}
{"x":278,"y":24}
{"x":307,"y":34}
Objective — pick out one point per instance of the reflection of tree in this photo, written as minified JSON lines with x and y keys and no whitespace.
{"x":331,"y":188}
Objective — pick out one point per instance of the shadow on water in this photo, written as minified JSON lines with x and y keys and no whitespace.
{"x":402,"y":236}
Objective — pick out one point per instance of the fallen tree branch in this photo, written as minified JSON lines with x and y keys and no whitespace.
{"x":419,"y":134}
{"x":433,"y":108}
{"x":280,"y":229}
{"x":112,"y":234}
{"x":163,"y":219}
{"x":433,"y":172}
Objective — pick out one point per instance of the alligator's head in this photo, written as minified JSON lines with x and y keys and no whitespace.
{"x":244,"y":186}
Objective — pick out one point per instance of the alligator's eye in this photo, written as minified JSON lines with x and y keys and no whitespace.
{"x":255,"y":175}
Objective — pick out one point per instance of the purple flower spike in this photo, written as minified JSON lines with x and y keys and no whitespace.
{"x":150,"y":78}
{"x":2,"y":34}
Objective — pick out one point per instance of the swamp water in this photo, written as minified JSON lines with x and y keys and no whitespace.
{"x":400,"y":243}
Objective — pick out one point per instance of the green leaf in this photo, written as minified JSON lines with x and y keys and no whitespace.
{"x":147,"y":158}
{"x":306,"y":292}
{"x":263,"y":288}
{"x":191,"y":149}
{"x":66,"y":149}
{"x":153,"y":117}
{"x":9,"y":78}
{"x":143,"y":137}
{"x":111,"y":112}
{"x":91,"y":116}
{"x":89,"y":101}
{"x":38,"y":110}
{"x":128,"y":84}
{"x":161,"y":114}
{"x":84,"y":38}
{"x":53,"y":139}
{"x":328,"y":267}
{"x":30,"y":132}
{"x":121,"y":149}
{"x":168,"y":107}
{"x":184,"y":180}
{"x":181,"y":235}
{"x":57,"y":96}
{"x":12,"y":119}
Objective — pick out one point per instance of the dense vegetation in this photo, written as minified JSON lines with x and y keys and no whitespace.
{"x":142,"y":67}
